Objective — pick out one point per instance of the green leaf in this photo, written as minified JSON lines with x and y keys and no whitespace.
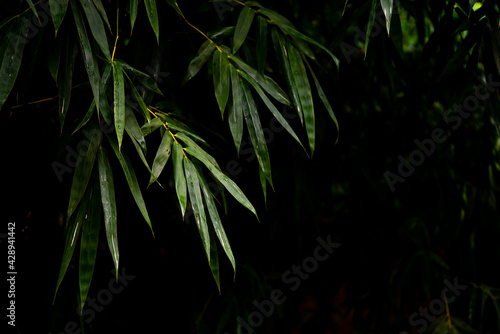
{"x":294,"y":33}
{"x":96,"y":26}
{"x":268,"y":84}
{"x":242,"y":27}
{"x":371,"y":20}
{"x":205,"y":51}
{"x":221,"y":79}
{"x":226,"y":181}
{"x":86,"y":118}
{"x":53,"y":58}
{"x":134,"y":5}
{"x":300,"y":79}
{"x":11,"y":59}
{"x":89,"y":242}
{"x":214,"y":258}
{"x":256,"y":133}
{"x":179,"y":177}
{"x":325,"y":101}
{"x":103,"y":98}
{"x":162,"y":155}
{"x":151,"y":126}
{"x":30,"y":3}
{"x":132,"y":126}
{"x":261,"y":44}
{"x":236,"y":110}
{"x":108,"y":200}
{"x":145,"y":80}
{"x":176,"y":125}
{"x":387,"y":9}
{"x":191,"y":143}
{"x":280,"y":46}
{"x":102,"y":11}
{"x":58,"y":10}
{"x":129,"y":172}
{"x":272,"y":108}
{"x":263,"y":184}
{"x":193,"y":185}
{"x":141,"y":154}
{"x":175,"y":6}
{"x":276,"y":18}
{"x":216,"y":222}
{"x":119,"y":102}
{"x":88,"y":56}
{"x":65,"y":78}
{"x":83,"y":170}
{"x":153,"y":17}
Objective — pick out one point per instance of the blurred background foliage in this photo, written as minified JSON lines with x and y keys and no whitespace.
{"x":397,"y":247}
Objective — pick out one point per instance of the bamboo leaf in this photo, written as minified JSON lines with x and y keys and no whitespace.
{"x":191,"y":143}
{"x":175,"y":6}
{"x":129,"y":172}
{"x":132,"y":126}
{"x":96,"y":26}
{"x":176,"y":125}
{"x":179,"y":177}
{"x":272,"y":108}
{"x":236,"y":110}
{"x":261,"y":44}
{"x":280,"y":46}
{"x":103,"y":99}
{"x":162,"y":155}
{"x":221,"y":79}
{"x":86,"y":118}
{"x":193,"y":185}
{"x":214,"y":259}
{"x":151,"y":126}
{"x":325,"y":101}
{"x":276,"y":18}
{"x":205,"y":51}
{"x":226,"y":181}
{"x":216,"y":222}
{"x":141,"y":154}
{"x":88,"y":56}
{"x":89,"y":242}
{"x":242,"y":27}
{"x":134,"y":5}
{"x":387,"y":9}
{"x":153,"y":17}
{"x":119,"y":102}
{"x":371,"y":21}
{"x":58,"y":10}
{"x":30,"y":3}
{"x":304,"y":90}
{"x":145,"y":80}
{"x":263,"y":184}
{"x":256,"y":132}
{"x":11,"y":59}
{"x":102,"y":11}
{"x":268,"y":84}
{"x":65,"y":78}
{"x":109,"y":205}
{"x":83,"y":170}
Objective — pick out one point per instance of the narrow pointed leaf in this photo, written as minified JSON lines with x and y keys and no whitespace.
{"x":11,"y":59}
{"x":58,"y":10}
{"x":89,"y":242}
{"x":192,"y":144}
{"x":103,"y":98}
{"x":102,"y":11}
{"x":129,"y":172}
{"x":236,"y":110}
{"x":119,"y":102}
{"x":162,"y":155}
{"x":88,"y":56}
{"x":86,"y":118}
{"x":387,"y":9}
{"x":263,"y":183}
{"x":242,"y":27}
{"x":216,"y":222}
{"x":145,"y":80}
{"x":205,"y":51}
{"x":96,"y":26}
{"x":179,"y":177}
{"x":30,"y":3}
{"x":175,"y":6}
{"x":304,"y":89}
{"x":297,"y":34}
{"x":134,"y":5}
{"x":132,"y":126}
{"x":83,"y":170}
{"x":272,"y":108}
{"x":268,"y":84}
{"x":276,"y":18}
{"x":371,"y":21}
{"x":214,"y":258}
{"x":176,"y":125}
{"x":256,"y":133}
{"x":151,"y":126}
{"x":153,"y":17}
{"x":193,"y":185}
{"x":108,"y":200}
{"x":141,"y":155}
{"x":325,"y":101}
{"x":53,"y":59}
{"x":221,"y":79}
{"x":261,"y":44}
{"x":65,"y":78}
{"x":280,"y":46}
{"x":226,"y":181}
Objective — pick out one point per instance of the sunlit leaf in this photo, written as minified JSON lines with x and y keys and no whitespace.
{"x":304,"y":90}
{"x":108,"y":200}
{"x":387,"y":9}
{"x":162,"y":155}
{"x":58,"y":10}
{"x":96,"y":26}
{"x":236,"y":109}
{"x":205,"y":51}
{"x":179,"y":177}
{"x":119,"y":102}
{"x":153,"y":17}
{"x":83,"y":169}
{"x":221,"y":79}
{"x":89,"y":242}
{"x":242,"y":27}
